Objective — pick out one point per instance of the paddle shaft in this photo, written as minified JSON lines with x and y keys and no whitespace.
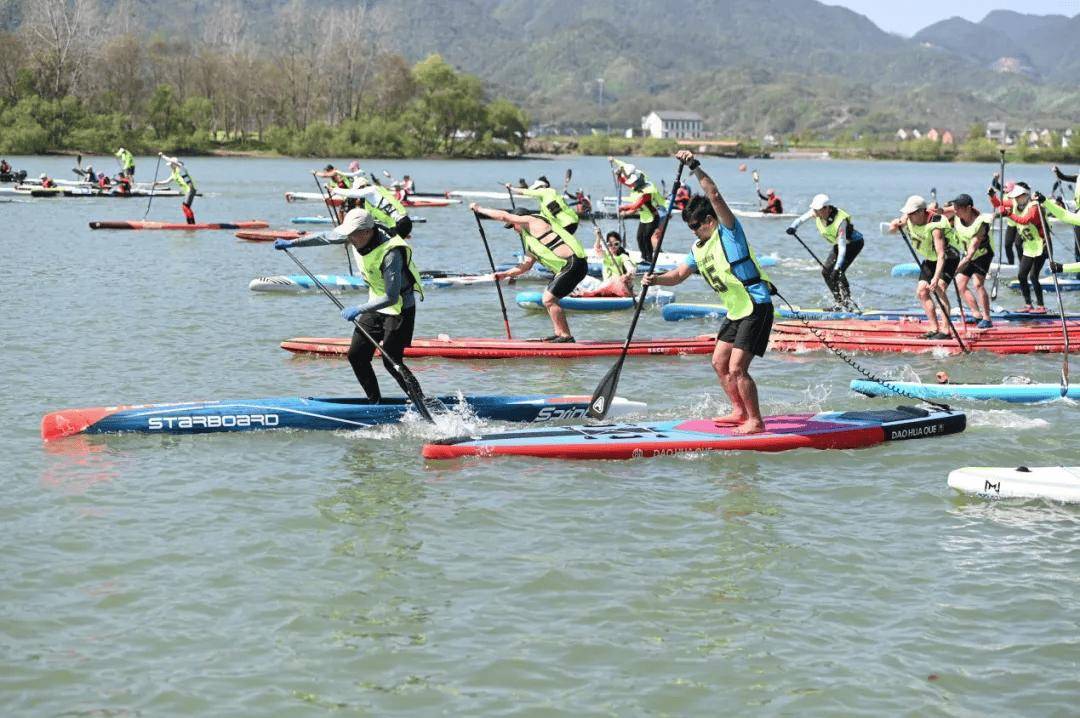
{"x":605,"y":391}
{"x":618,"y":203}
{"x":934,"y":296}
{"x":153,"y":187}
{"x":1061,"y":304}
{"x":498,"y":286}
{"x":413,"y":390}
{"x":1001,"y":227}
{"x":757,"y":188}
{"x":822,"y":264}
{"x":334,"y":216}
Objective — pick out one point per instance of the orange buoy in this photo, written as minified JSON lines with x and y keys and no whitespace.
{"x":742,"y":167}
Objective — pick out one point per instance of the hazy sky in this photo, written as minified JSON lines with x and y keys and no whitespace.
{"x":910,"y":16}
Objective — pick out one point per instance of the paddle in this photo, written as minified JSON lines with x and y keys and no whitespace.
{"x":618,"y":201}
{"x":1001,"y":228}
{"x":933,"y":195}
{"x":605,"y":390}
{"x":491,"y":261}
{"x":153,"y":187}
{"x":935,"y":297}
{"x":757,"y":188}
{"x":1061,"y":305}
{"x":412,"y":386}
{"x":600,"y":237}
{"x":334,"y":216}
{"x":807,"y":247}
{"x":566,"y":179}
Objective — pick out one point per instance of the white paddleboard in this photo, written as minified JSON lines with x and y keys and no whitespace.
{"x":1056,"y":483}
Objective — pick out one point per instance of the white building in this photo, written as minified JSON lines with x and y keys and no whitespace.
{"x":672,"y":124}
{"x":995,"y":132}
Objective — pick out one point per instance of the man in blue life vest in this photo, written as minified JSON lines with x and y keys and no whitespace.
{"x":389,"y":315}
{"x":722,"y":256}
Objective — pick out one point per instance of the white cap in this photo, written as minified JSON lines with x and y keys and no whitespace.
{"x":43,"y":176}
{"x":628,"y":170}
{"x":914,"y":204}
{"x":355,"y":219}
{"x":819,"y":201}
{"x":361,"y":182}
{"x":1018,"y":191}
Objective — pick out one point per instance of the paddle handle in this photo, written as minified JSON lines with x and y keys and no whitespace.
{"x":491,"y":263}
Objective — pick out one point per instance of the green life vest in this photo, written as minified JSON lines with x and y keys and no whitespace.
{"x":553,"y":207}
{"x":967,"y":233}
{"x":714,"y":267}
{"x":653,"y":202}
{"x":388,"y":210}
{"x":614,"y":265}
{"x":922,"y":238}
{"x":340,"y":180}
{"x":543,"y":247}
{"x":127,"y":160}
{"x":1031,"y":241}
{"x":372,"y":271}
{"x":182,"y":179}
{"x":831,"y":231}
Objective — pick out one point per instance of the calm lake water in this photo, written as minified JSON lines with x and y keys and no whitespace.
{"x":311,"y":573}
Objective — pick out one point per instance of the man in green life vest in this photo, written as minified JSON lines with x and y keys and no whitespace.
{"x":1054,"y":209}
{"x":557,"y":250}
{"x":722,"y":255}
{"x":389,"y":315}
{"x":973,"y":230}
{"x":836,"y":227}
{"x":936,"y":242}
{"x":1075,"y":180}
{"x":381,"y":203}
{"x":183,"y":182}
{"x":553,"y":206}
{"x":646,"y":202}
{"x":127,"y":163}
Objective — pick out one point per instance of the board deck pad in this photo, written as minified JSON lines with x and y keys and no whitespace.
{"x":825,"y":430}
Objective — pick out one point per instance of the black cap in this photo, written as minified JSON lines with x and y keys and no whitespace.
{"x":962,"y":200}
{"x":328,"y":168}
{"x":521,"y":212}
{"x":544,"y":179}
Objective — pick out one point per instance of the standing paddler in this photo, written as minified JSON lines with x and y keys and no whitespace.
{"x":935,"y":241}
{"x":184,"y":183}
{"x":127,"y":163}
{"x":381,"y":203}
{"x":646,"y":202}
{"x":1062,"y":177}
{"x":836,"y":227}
{"x":722,"y":256}
{"x":556,"y":249}
{"x":553,"y":206}
{"x":389,"y":314}
{"x":973,"y":230}
{"x":1032,"y":238}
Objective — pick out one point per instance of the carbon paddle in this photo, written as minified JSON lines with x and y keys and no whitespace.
{"x":1061,"y":305}
{"x":605,"y":390}
{"x":935,"y":297}
{"x":1001,"y":229}
{"x":807,"y":247}
{"x":491,"y":261}
{"x":412,"y":386}
{"x":153,"y":187}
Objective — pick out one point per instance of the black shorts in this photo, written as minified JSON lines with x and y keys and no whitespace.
{"x":751,"y":333}
{"x":980,"y":266}
{"x":928,"y":267}
{"x":571,"y":275}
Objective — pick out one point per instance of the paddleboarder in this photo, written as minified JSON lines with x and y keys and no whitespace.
{"x":389,"y":314}
{"x":127,"y":163}
{"x":556,"y":249}
{"x":618,"y":268}
{"x":1011,"y":239}
{"x":46,"y":181}
{"x":836,"y":227}
{"x":1062,"y":177}
{"x":935,"y":241}
{"x":973,"y":230}
{"x":183,"y":182}
{"x":645,"y":203}
{"x":553,"y":206}
{"x":723,"y":257}
{"x":381,"y":203}
{"x":773,"y":204}
{"x":1032,"y":238}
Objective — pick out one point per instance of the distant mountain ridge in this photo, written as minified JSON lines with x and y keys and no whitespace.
{"x":782,"y":67}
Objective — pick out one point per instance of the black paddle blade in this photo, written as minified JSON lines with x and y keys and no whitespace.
{"x":605,"y":392}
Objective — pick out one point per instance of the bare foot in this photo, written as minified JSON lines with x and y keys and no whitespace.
{"x":750,"y":426}
{"x":732,"y":418}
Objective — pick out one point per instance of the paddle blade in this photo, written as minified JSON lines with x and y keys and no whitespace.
{"x":755,"y":176}
{"x":605,"y":392}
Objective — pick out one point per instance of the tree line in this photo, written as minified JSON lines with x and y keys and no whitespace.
{"x":73,"y":77}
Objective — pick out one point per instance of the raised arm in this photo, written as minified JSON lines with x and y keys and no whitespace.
{"x":723,"y":212}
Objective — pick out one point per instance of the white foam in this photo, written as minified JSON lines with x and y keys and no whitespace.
{"x":1005,"y":419}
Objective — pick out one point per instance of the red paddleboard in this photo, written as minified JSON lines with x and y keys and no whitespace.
{"x":140,"y":224}
{"x":429,"y":202}
{"x":787,"y":338}
{"x":476,"y":348}
{"x":268,"y":235}
{"x":855,"y":327}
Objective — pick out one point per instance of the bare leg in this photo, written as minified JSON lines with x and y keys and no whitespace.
{"x":558,"y":316}
{"x":922,"y":291}
{"x":983,"y":298}
{"x":721,"y":362}
{"x":743,"y":384}
{"x":962,"y":283}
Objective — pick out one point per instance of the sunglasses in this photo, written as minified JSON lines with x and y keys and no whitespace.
{"x":695,"y":226}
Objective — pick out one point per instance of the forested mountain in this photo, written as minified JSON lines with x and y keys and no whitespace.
{"x":749,"y":67}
